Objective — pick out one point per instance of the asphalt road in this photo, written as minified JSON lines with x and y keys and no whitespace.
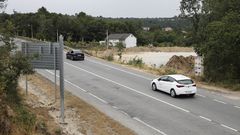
{"x":126,"y":96}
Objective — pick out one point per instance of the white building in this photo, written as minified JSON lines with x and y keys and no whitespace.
{"x":128,"y":40}
{"x":168,"y":29}
{"x":146,"y":28}
{"x":198,"y":66}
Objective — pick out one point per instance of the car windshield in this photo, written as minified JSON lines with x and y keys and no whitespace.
{"x":77,"y":51}
{"x":187,"y":81}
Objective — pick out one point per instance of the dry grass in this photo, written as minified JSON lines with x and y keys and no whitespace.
{"x":45,"y":123}
{"x":159,"y":49}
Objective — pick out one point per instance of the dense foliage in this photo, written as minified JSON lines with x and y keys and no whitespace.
{"x":12,"y":65}
{"x":81,"y":27}
{"x":216,"y":35}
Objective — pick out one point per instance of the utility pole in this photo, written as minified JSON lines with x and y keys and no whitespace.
{"x":57,"y":36}
{"x":32,"y":31}
{"x":107,"y":39}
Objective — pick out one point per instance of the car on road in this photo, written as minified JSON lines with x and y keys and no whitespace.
{"x":75,"y":55}
{"x":175,"y":85}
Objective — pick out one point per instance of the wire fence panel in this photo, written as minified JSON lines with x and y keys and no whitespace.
{"x":42,"y":55}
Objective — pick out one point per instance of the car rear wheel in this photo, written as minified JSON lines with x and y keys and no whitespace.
{"x":154,"y":87}
{"x":173,"y":93}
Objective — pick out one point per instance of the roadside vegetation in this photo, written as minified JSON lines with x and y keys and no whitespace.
{"x":215,"y":35}
{"x":16,"y":118}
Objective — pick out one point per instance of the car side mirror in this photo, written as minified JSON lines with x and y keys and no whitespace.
{"x":159,"y":79}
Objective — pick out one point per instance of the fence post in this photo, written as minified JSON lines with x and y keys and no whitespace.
{"x":61,"y":77}
{"x":55,"y":74}
{"x":26,"y":81}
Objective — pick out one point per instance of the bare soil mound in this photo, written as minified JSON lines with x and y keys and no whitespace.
{"x":185,"y":64}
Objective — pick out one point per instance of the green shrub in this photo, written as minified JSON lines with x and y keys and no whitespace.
{"x":170,"y":71}
{"x":109,"y":58}
{"x":138,"y":62}
{"x":58,"y":132}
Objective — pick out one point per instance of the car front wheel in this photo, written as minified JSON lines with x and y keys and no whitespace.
{"x":154,"y":87}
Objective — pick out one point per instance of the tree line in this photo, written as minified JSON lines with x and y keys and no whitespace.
{"x":216,"y":36}
{"x":82,"y":27}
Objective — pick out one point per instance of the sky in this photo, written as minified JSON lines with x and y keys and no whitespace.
{"x":105,"y":8}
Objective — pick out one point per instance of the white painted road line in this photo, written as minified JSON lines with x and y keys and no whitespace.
{"x":68,"y":82}
{"x":98,"y":98}
{"x":115,"y":107}
{"x":120,"y":70}
{"x":159,"y":131}
{"x":229,"y":127}
{"x":75,"y":85}
{"x":80,"y":88}
{"x":219,"y":101}
{"x":205,"y":118}
{"x":237,"y":107}
{"x":124,"y":113}
{"x":141,"y":93}
{"x":223,"y":125}
{"x":201,"y":95}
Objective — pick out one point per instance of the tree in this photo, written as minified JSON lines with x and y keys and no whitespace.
{"x":12,"y":65}
{"x":3,"y":4}
{"x":120,"y":48}
{"x":217,"y":37}
{"x":192,"y":9}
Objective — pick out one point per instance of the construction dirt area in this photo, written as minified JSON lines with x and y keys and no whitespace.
{"x":80,"y":117}
{"x":185,"y":64}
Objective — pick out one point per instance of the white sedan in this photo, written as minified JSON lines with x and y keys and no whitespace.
{"x":175,"y":85}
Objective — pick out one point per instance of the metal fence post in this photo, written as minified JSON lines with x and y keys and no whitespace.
{"x":26,"y":81}
{"x":61,"y":77}
{"x":26,"y":85}
{"x":55,"y":78}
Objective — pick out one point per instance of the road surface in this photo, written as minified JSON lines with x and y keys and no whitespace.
{"x":125,"y":95}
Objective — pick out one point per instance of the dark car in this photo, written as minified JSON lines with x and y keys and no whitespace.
{"x":75,"y":55}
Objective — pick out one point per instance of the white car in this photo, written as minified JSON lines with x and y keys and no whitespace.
{"x":175,"y":85}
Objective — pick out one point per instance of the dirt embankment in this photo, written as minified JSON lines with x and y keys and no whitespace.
{"x":81,"y":117}
{"x":185,"y":64}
